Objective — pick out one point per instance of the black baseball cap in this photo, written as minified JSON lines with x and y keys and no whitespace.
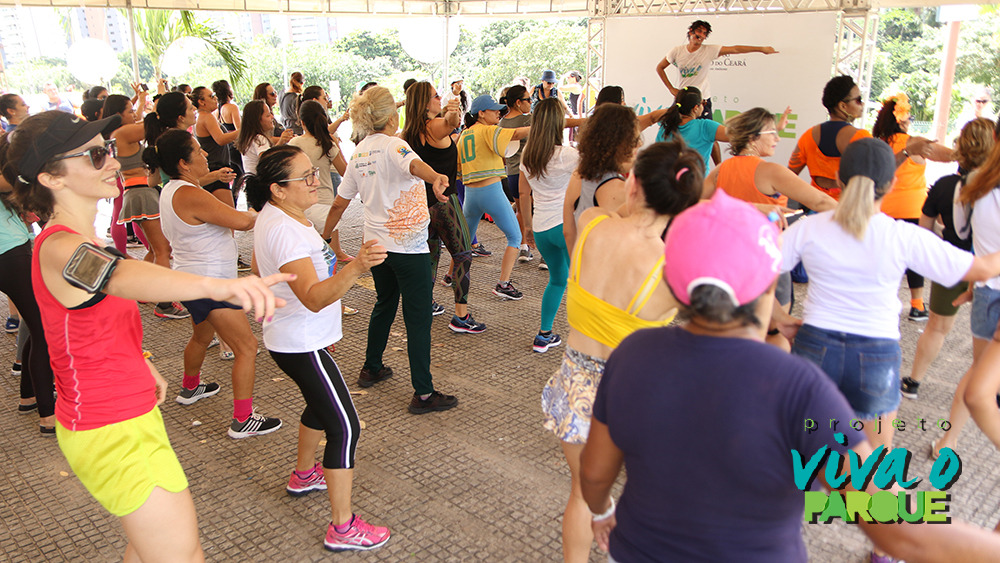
{"x":65,"y":133}
{"x":871,"y":158}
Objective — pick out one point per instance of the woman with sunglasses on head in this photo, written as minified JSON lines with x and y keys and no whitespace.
{"x":615,"y":287}
{"x":107,"y":421}
{"x":481,"y":150}
{"x":214,"y":141}
{"x":428,"y":131}
{"x":607,"y":144}
{"x":390,"y":178}
{"x":200,"y":230}
{"x":283,"y":190}
{"x":267,"y":94}
{"x":682,"y":119}
{"x":908,"y":195}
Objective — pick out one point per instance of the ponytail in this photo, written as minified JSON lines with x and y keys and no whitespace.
{"x":686,"y":100}
{"x":470,"y":119}
{"x":858,"y":202}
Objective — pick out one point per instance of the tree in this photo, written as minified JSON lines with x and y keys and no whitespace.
{"x":545,"y":46}
{"x":158,"y":29}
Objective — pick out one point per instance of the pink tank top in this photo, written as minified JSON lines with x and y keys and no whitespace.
{"x":96,"y":355}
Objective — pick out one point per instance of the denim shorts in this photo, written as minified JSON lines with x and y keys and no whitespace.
{"x":985,"y":312}
{"x":866,"y":370}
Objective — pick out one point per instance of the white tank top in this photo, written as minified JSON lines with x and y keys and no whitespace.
{"x":206,"y":250}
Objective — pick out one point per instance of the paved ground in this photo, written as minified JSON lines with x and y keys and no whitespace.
{"x":482,"y":482}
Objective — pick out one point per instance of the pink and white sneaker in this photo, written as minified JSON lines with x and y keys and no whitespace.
{"x":361,"y":536}
{"x":298,"y":486}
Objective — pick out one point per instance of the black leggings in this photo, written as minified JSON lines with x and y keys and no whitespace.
{"x":448,"y":226}
{"x":36,"y":373}
{"x":328,"y":403}
{"x":913,"y":279}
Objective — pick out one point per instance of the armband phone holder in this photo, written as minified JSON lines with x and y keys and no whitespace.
{"x":91,"y":267}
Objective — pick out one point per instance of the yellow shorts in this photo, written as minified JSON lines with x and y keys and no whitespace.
{"x":121,"y":463}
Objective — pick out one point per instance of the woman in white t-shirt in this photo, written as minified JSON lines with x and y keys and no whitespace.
{"x":546,"y":167}
{"x":323,"y":150}
{"x":980,"y":386}
{"x":200,"y":230}
{"x":284,"y":188}
{"x":855,"y":256}
{"x":390,"y":178}
{"x":255,"y":134}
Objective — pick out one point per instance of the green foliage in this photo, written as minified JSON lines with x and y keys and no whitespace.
{"x":30,"y":76}
{"x":368,"y":45}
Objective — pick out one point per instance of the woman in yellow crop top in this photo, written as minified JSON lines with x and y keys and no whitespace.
{"x":614,"y":289}
{"x":481,"y":149}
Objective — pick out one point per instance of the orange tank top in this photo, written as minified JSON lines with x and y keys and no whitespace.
{"x":819,"y":164}
{"x":907,"y":197}
{"x":736,"y":178}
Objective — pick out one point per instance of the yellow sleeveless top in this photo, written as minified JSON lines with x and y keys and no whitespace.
{"x":600,"y":320}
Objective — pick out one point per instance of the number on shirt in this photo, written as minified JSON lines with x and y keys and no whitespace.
{"x":468,"y":148}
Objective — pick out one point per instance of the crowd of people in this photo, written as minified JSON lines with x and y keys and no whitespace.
{"x":676,"y":275}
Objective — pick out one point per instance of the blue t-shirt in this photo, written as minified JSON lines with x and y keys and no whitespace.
{"x":13,"y":231}
{"x":707,"y":426}
{"x":699,"y":134}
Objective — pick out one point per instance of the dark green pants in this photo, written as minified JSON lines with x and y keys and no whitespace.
{"x":408,"y":275}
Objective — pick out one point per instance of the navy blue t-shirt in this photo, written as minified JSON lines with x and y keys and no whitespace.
{"x":707,"y":426}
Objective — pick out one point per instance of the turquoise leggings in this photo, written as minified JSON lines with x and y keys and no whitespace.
{"x":491,"y":199}
{"x":552,"y":245}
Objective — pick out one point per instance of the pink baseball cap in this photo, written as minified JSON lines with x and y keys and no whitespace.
{"x":723,"y":242}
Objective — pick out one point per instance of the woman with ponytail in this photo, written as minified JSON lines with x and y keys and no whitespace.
{"x":854,"y":256}
{"x":615,"y":287}
{"x":284,"y":188}
{"x":174,"y":110}
{"x":982,"y":193}
{"x":907,"y":197}
{"x":681,"y":119}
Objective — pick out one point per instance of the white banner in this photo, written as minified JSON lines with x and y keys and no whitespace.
{"x":793,"y":77}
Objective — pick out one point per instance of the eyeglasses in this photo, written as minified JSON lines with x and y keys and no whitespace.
{"x":982,"y":101}
{"x":701,"y":36}
{"x":525,"y":99}
{"x":768,"y":132}
{"x":98,"y":155}
{"x":856,"y":100}
{"x":312,"y":178}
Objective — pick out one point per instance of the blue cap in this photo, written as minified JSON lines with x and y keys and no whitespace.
{"x":482,"y":103}
{"x":549,"y":76}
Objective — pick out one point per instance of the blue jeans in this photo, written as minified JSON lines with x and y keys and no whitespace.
{"x":866,"y":370}
{"x":985,"y":312}
{"x":491,"y":199}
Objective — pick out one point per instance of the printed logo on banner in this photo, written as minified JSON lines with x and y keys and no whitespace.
{"x":727,"y":62}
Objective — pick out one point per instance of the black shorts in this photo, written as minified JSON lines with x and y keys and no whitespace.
{"x":200,"y":308}
{"x":509,"y":185}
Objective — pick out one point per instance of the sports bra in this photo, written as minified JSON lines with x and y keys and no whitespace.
{"x":132,"y":161}
{"x":597,"y":319}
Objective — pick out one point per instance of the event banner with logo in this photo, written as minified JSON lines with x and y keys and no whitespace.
{"x":793,"y":77}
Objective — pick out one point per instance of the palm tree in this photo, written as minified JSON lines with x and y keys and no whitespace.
{"x":158,"y":29}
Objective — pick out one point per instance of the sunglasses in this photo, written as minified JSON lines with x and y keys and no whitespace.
{"x":768,"y":132}
{"x":98,"y":155}
{"x":312,"y":178}
{"x":525,"y":99}
{"x":857,"y":100}
{"x":982,"y":101}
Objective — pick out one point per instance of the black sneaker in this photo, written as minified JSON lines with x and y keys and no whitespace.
{"x":507,"y":291}
{"x":919,"y":315}
{"x":436,"y":402}
{"x":480,"y":251}
{"x":366,"y":379}
{"x":909,"y":388}
{"x":468,"y":325}
{"x":255,"y":425}
{"x":446,"y":281}
{"x":202,"y":391}
{"x":436,"y":309}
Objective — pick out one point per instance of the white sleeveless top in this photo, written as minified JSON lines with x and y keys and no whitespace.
{"x":206,"y":250}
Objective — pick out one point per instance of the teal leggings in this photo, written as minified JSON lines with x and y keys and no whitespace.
{"x":552,"y":245}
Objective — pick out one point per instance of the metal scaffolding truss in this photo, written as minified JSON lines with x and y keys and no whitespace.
{"x":855,"y":54}
{"x":693,"y":7}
